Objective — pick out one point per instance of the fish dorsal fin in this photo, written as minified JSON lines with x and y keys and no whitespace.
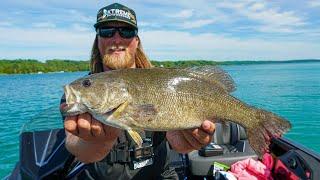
{"x":215,"y":75}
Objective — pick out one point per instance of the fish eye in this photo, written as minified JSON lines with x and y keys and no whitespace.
{"x":86,"y":83}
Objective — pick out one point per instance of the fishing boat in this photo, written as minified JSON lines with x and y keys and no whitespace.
{"x":43,"y":156}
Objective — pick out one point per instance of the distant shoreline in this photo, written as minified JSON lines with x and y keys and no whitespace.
{"x":30,"y":66}
{"x":236,"y":62}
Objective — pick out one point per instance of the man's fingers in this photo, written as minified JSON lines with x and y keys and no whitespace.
{"x":201,"y":136}
{"x":111,"y":132}
{"x":205,"y":133}
{"x":193,"y":142}
{"x":178,"y":142}
{"x":208,"y":127}
{"x":70,"y":124}
{"x":84,"y":126}
{"x":96,"y":128}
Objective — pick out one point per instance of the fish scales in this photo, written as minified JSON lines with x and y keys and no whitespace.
{"x":160,"y":99}
{"x":200,"y":105}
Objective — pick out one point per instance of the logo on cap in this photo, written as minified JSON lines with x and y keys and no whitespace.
{"x":116,"y":12}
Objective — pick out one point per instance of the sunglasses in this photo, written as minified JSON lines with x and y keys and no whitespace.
{"x":124,"y":32}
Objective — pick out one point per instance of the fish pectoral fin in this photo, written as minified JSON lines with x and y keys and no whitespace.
{"x":136,"y":137}
{"x":116,"y":114}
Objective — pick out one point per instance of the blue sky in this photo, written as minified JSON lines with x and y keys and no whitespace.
{"x":170,"y":30}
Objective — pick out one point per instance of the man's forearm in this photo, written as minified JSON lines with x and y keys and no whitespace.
{"x":86,"y":152}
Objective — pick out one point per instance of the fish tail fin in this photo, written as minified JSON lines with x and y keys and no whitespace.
{"x":267,"y":126}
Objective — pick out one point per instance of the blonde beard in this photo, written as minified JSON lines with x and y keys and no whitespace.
{"x":118,"y":61}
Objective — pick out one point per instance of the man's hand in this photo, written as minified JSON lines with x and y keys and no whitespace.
{"x":185,"y":141}
{"x":88,"y":139}
{"x":89,"y":129}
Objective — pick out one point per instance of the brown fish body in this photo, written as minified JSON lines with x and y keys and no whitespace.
{"x":174,"y":99}
{"x":183,"y":100}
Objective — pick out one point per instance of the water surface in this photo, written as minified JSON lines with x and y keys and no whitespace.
{"x":291,"y":90}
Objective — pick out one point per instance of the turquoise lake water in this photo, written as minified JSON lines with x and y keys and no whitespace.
{"x":291,"y":90}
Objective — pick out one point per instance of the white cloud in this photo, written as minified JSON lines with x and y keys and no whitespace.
{"x":241,"y":18}
{"x":3,"y":23}
{"x":44,"y":25}
{"x":45,"y":43}
{"x":142,"y":24}
{"x":80,"y":17}
{"x":274,"y":29}
{"x":176,"y":45}
{"x":196,"y":23}
{"x":271,"y":16}
{"x":187,"y":13}
{"x":47,"y":32}
{"x":257,"y":6}
{"x":314,"y":3}
{"x":271,"y":19}
{"x":79,"y":27}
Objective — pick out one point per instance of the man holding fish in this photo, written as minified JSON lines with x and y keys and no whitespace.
{"x":109,"y":149}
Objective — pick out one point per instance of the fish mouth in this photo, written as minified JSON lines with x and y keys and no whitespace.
{"x":73,"y":109}
{"x":72,"y":106}
{"x":79,"y":108}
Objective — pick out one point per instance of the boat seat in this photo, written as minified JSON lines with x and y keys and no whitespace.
{"x":231,"y":135}
{"x":228,"y":133}
{"x":232,"y":139}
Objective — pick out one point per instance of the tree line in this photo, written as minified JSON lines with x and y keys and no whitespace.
{"x":33,"y":66}
{"x":24,"y":66}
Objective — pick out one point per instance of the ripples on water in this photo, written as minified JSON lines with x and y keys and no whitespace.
{"x":23,"y":98}
{"x":290,"y":90}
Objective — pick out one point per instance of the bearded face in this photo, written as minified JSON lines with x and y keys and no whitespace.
{"x":118,"y":52}
{"x":118,"y":57}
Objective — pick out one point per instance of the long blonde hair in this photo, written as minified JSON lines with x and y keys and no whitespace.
{"x":96,"y":66}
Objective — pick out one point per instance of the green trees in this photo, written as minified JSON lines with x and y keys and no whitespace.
{"x":182,"y":64}
{"x":33,"y":66}
{"x":23,"y":66}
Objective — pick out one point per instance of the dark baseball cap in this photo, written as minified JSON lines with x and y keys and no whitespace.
{"x":116,"y":12}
